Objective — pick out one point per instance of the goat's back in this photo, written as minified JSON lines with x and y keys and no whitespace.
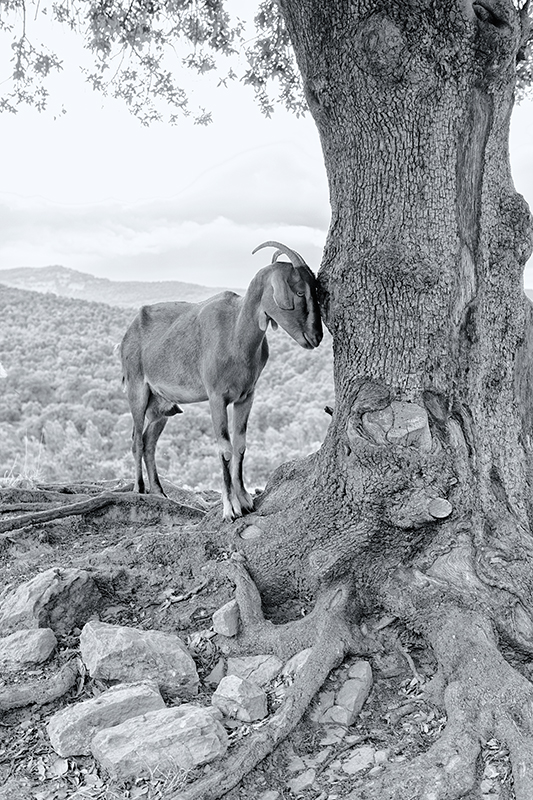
{"x":171,"y":345}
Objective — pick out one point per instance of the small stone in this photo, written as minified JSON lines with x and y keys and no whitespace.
{"x":302,"y":782}
{"x":155,"y":744}
{"x":334,"y":735}
{"x":296,"y":663}
{"x":226,"y":619}
{"x":72,"y":729}
{"x":251,"y":532}
{"x":26,"y":647}
{"x":336,"y":714}
{"x":381,"y":756}
{"x":260,"y":669}
{"x":362,"y":758}
{"x":240,"y":698}
{"x":296,"y":764}
{"x":315,"y":761}
{"x":440,"y":508}
{"x":354,"y":692}
{"x":216,"y":674}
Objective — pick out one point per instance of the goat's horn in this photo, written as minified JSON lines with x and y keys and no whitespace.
{"x":296,"y":258}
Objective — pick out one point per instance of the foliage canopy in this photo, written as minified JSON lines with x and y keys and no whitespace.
{"x":139,"y":49}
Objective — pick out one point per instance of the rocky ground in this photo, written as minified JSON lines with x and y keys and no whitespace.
{"x":156,"y":572}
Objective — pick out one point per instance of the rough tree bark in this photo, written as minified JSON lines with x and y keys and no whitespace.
{"x":419,"y":500}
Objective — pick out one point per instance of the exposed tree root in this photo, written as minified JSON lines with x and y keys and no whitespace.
{"x":38,"y":692}
{"x":94,"y":504}
{"x":259,"y":635}
{"x":484,"y":697}
{"x":333,"y":639}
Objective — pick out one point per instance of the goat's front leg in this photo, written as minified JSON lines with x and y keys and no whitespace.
{"x":219,"y":416}
{"x":241,"y":412}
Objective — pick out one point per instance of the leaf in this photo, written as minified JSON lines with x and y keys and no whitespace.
{"x":41,"y":768}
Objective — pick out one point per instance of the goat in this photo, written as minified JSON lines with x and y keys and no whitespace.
{"x":215,"y":350}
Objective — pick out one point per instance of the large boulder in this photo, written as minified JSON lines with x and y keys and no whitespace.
{"x":61,"y":599}
{"x":161,"y":741}
{"x":119,"y":653}
{"x":72,"y":729}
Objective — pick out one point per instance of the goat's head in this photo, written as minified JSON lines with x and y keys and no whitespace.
{"x":290,"y":297}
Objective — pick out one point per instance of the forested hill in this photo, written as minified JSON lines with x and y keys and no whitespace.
{"x":71,"y":283}
{"x":63,"y":416}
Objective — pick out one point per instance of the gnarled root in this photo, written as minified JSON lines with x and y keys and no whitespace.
{"x":39,"y":692}
{"x":333,"y":640}
{"x":484,"y":697}
{"x":259,"y":635}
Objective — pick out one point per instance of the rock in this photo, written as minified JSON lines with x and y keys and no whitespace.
{"x":226,"y":620}
{"x":240,"y":698}
{"x":295,"y":663}
{"x":381,"y":756}
{"x":216,"y":674}
{"x":336,"y":714}
{"x":118,"y":653}
{"x":324,"y":700}
{"x":334,"y":735}
{"x":361,"y":758}
{"x":302,"y":782}
{"x":60,"y":599}
{"x":296,"y":764}
{"x":271,"y":794}
{"x":259,"y":669}
{"x":156,"y":744}
{"x":251,"y":532}
{"x":26,"y":647}
{"x":354,"y":692}
{"x":71,"y":729}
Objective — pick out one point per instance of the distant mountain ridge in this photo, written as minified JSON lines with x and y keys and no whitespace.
{"x":66,"y":282}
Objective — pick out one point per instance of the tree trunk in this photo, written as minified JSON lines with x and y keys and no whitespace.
{"x":420,"y":498}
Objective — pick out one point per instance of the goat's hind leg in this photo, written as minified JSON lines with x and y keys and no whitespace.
{"x":138,"y":398}
{"x":157,"y":414}
{"x":219,"y":416}
{"x":150,"y":436}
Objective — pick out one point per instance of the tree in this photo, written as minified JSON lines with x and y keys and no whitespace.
{"x":419,"y":500}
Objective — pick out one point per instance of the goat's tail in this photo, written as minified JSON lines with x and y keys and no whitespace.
{"x":282,"y":249}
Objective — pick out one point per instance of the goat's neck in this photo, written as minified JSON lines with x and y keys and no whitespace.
{"x":250,"y":336}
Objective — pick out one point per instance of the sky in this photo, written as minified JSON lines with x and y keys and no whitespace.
{"x":96,"y":191}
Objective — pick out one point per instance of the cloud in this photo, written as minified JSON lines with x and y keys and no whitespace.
{"x":203,"y":234}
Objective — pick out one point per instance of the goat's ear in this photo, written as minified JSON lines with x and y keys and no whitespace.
{"x":283,"y":295}
{"x":263,"y":320}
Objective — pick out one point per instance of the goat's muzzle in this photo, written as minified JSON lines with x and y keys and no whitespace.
{"x":312,"y":339}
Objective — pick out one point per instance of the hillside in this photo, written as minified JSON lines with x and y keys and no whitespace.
{"x":63,"y":416}
{"x":82,"y":286}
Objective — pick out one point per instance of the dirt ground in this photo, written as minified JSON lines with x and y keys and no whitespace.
{"x":156,"y":571}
